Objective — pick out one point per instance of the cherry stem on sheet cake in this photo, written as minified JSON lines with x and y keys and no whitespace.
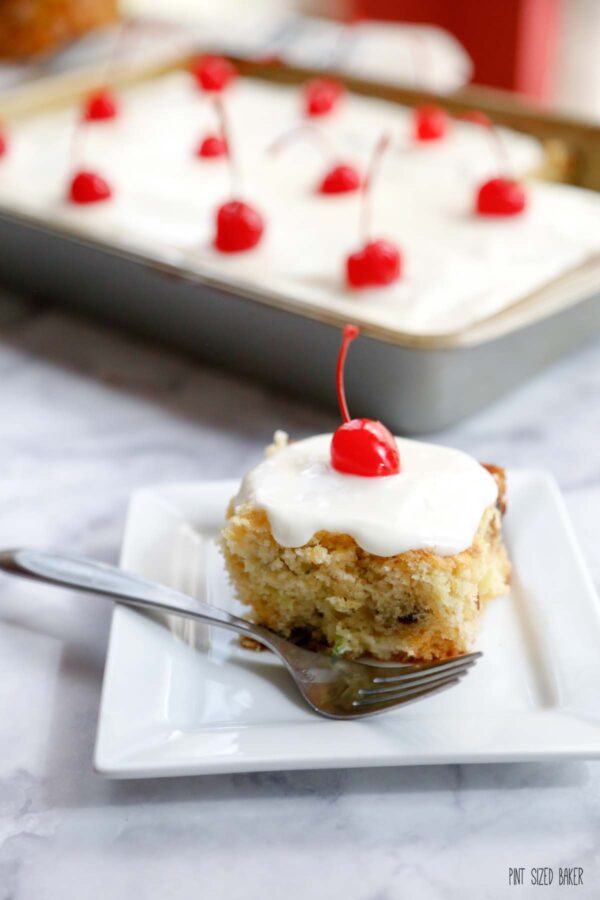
{"x":366,"y":211}
{"x":77,"y":143}
{"x":500,"y":151}
{"x":498,"y":146}
{"x":101,"y":103}
{"x":349,"y":334}
{"x":321,"y":140}
{"x":235,"y":174}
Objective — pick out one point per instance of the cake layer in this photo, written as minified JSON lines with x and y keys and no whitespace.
{"x":331,"y":594}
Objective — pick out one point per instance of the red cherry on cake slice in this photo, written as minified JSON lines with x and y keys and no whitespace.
{"x":430,"y":123}
{"x":100,"y":106}
{"x":213,"y":73}
{"x":360,"y":446}
{"x":364,"y":447}
{"x":501,"y":197}
{"x":3,"y":144}
{"x":377,"y":264}
{"x":239,"y":227}
{"x":88,"y":187}
{"x":321,"y":96}
{"x":212,"y":146}
{"x":341,"y":179}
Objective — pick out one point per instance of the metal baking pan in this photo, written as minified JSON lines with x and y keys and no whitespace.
{"x":415,"y":385}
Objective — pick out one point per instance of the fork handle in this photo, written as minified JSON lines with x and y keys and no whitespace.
{"x":81,"y":573}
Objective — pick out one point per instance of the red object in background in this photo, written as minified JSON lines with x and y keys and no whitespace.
{"x":376,"y":265}
{"x":88,"y":187}
{"x":100,"y":106}
{"x":430,"y":123}
{"x":212,"y":146}
{"x":500,"y":197}
{"x":512,"y":42}
{"x":341,"y":179}
{"x":321,"y":96}
{"x":213,"y":73}
{"x":239,"y":227}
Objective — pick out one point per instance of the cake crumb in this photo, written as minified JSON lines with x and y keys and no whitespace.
{"x":249,"y":643}
{"x":280,"y":441}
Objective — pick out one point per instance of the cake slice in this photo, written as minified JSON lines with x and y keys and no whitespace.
{"x":393,"y":568}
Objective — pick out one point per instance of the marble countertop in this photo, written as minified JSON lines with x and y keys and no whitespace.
{"x":86,"y":417}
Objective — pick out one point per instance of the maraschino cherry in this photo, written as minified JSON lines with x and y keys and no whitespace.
{"x":86,"y":186}
{"x":340,"y":177}
{"x":376,"y":265}
{"x":3,"y":143}
{"x":212,"y":147}
{"x":239,"y":226}
{"x":502,"y":195}
{"x":321,"y":96}
{"x":89,"y":187}
{"x":360,"y":446}
{"x":378,"y":262}
{"x":100,"y":106}
{"x":430,"y":123}
{"x":213,"y":73}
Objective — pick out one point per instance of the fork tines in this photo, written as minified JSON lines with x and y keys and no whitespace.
{"x":412,"y":682}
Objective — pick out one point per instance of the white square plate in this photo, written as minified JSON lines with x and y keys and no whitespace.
{"x":182,"y":699}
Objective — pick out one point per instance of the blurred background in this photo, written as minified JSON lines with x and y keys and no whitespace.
{"x":544,"y":49}
{"x":530,"y":65}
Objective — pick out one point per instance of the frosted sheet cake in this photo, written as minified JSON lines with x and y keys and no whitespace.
{"x":457,"y":268}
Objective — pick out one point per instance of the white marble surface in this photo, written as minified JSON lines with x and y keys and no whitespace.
{"x":86,"y":416}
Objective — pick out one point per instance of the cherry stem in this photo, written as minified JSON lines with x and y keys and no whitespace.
{"x":500,"y":152}
{"x":366,"y":213}
{"x":75,"y":149}
{"x":234,"y":169}
{"x":498,"y":146}
{"x":81,"y":126}
{"x":349,"y":333}
{"x":322,"y":141}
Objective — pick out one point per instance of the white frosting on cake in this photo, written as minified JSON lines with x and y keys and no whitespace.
{"x":458,"y":269}
{"x":435,"y":503}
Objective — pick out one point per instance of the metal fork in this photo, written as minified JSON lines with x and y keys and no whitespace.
{"x":332,"y":686}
